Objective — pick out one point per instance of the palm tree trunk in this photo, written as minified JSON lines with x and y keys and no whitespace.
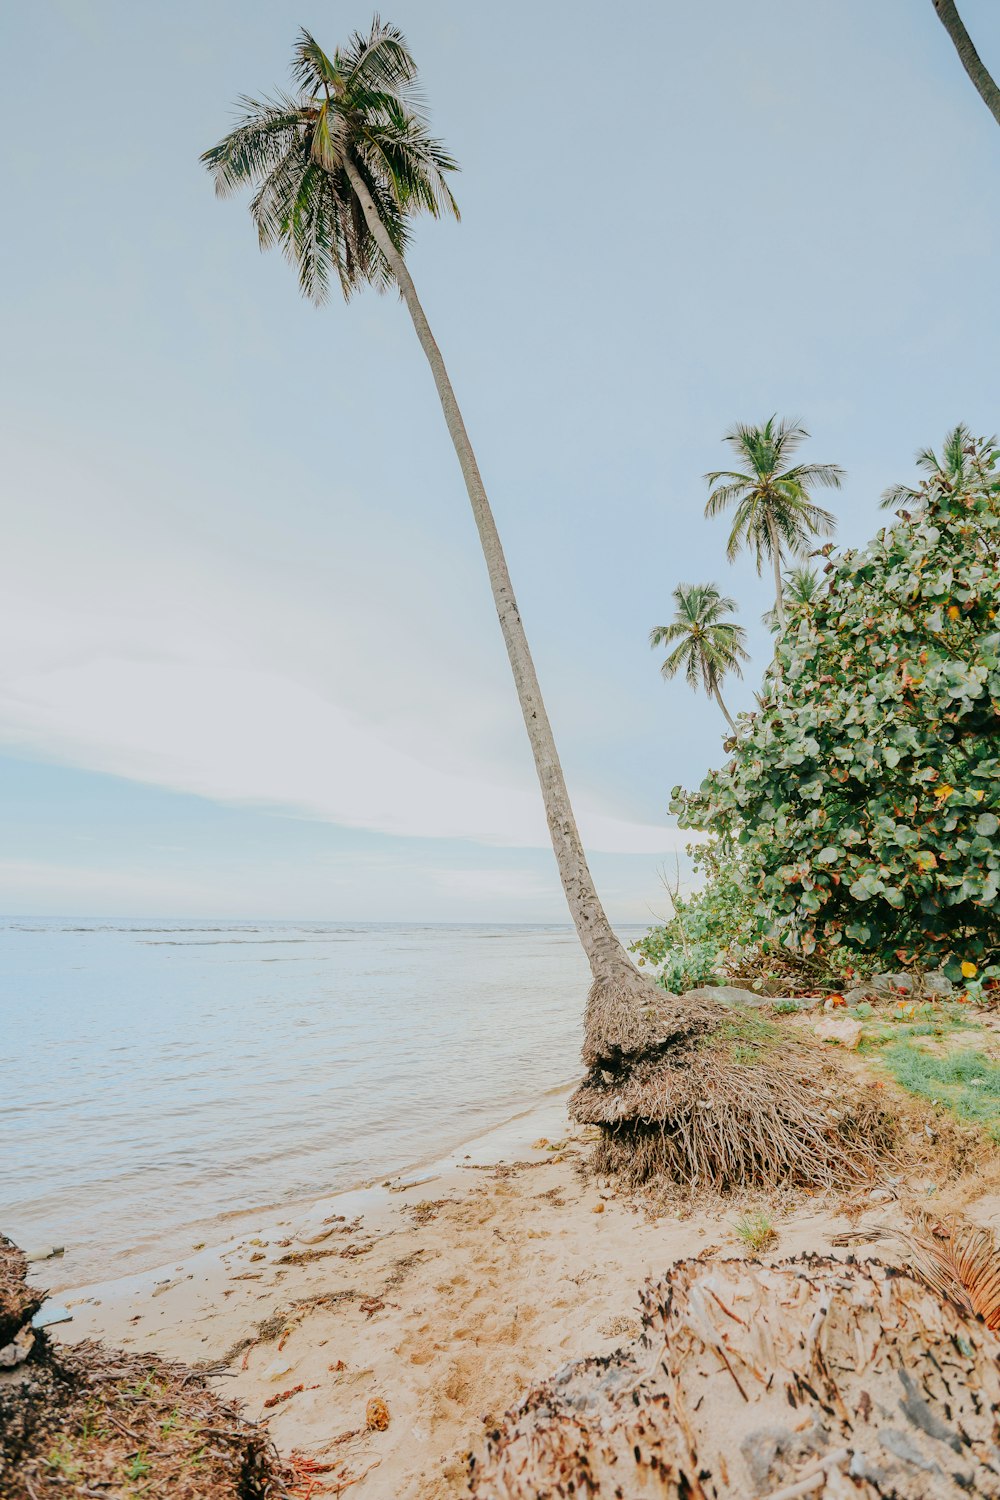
{"x":971,"y":61}
{"x":725,"y":710}
{"x":608,"y":960}
{"x":779,"y":601}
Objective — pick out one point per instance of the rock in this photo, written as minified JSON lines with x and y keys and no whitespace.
{"x":17,"y":1351}
{"x":729,"y":994}
{"x":845,"y":1031}
{"x":890,"y":986}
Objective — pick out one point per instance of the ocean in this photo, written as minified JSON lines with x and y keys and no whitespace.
{"x":155,"y":1074}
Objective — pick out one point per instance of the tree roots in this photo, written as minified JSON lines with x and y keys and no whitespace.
{"x":744,"y":1103}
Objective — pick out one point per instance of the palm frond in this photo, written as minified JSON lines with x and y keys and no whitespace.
{"x":959,"y":1262}
{"x":312,"y":70}
{"x":268,"y":129}
{"x":380,"y":59}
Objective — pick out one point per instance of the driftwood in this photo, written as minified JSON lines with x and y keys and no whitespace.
{"x":813,"y":1377}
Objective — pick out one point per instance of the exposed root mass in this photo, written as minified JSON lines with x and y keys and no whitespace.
{"x":744,"y":1106}
{"x":629,"y":1016}
{"x":812,"y":1377}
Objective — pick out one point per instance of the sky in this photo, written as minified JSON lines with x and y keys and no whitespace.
{"x":249,"y":664}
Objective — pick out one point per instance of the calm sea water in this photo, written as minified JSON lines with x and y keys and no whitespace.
{"x":156,"y":1073}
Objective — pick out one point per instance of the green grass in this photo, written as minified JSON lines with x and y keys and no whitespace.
{"x":928,"y":1021}
{"x":755,"y":1229}
{"x":966,"y":1083}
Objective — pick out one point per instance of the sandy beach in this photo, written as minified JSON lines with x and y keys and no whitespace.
{"x":444,"y":1293}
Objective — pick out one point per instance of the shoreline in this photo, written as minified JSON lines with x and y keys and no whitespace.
{"x":446,"y":1295}
{"x":213,"y":1231}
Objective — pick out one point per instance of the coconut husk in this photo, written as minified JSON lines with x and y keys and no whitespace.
{"x":750,"y":1104}
{"x":85,"y":1420}
{"x":18,"y":1301}
{"x":812,"y":1377}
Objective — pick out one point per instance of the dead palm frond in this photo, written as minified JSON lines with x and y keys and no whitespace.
{"x":959,"y":1262}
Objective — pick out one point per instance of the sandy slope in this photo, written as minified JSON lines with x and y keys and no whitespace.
{"x":446,"y":1298}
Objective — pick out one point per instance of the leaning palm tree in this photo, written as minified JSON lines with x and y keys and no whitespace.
{"x":338,"y":171}
{"x":954,"y":467}
{"x":799,"y":586}
{"x":971,"y":61}
{"x":774,"y":511}
{"x":708,"y":645}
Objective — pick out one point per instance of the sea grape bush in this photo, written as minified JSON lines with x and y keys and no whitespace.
{"x":864,"y":796}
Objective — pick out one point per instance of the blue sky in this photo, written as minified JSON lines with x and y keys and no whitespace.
{"x":248,"y":660}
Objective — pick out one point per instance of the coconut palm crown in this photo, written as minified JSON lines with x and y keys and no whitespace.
{"x":708,"y":645}
{"x":959,"y":455}
{"x":359,"y":109}
{"x":774,"y":511}
{"x":799,"y":587}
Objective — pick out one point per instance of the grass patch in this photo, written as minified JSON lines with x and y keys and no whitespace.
{"x":966,"y":1083}
{"x":755,"y":1229}
{"x":935,"y":1022}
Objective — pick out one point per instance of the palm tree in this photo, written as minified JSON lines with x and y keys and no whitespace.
{"x":339,"y":169}
{"x":708,"y":646}
{"x":799,"y":586}
{"x":954,"y":467}
{"x":773,"y":506}
{"x":971,"y":61}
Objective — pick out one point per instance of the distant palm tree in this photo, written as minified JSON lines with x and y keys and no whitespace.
{"x":970,"y":59}
{"x":708,"y":646}
{"x":774,"y":511}
{"x":338,"y":172}
{"x":799,"y":586}
{"x":958,"y":454}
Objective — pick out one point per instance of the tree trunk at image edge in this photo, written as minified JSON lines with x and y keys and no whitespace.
{"x":621,"y":1027}
{"x":971,"y":61}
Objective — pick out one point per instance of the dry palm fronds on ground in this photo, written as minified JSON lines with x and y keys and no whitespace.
{"x":86,"y":1420}
{"x":744,"y":1104}
{"x":816,"y":1377}
{"x":957,"y":1260}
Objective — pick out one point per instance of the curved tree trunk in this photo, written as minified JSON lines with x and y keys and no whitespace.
{"x":608,"y":960}
{"x":725,"y":710}
{"x":971,"y":61}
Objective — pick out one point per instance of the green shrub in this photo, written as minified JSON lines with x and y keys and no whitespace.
{"x":688,"y":950}
{"x":864,"y":797}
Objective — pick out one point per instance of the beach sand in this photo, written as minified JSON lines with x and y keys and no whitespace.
{"x":444,"y":1294}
